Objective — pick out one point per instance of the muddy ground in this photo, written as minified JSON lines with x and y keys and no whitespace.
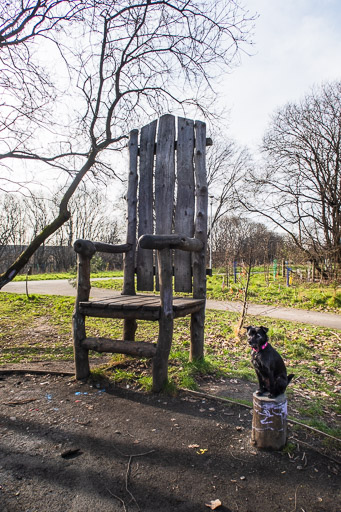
{"x":73,"y":447}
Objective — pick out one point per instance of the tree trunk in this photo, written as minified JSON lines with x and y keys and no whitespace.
{"x":269,"y":422}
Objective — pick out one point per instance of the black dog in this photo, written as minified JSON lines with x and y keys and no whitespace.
{"x":269,"y":365}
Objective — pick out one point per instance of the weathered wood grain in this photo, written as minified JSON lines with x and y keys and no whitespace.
{"x":164,"y":200}
{"x":132,"y":348}
{"x":171,"y":241}
{"x":145,"y":259}
{"x":88,"y":248}
{"x":129,"y":257}
{"x":185,"y":203}
{"x":130,"y":325}
{"x":269,"y":422}
{"x":180,"y":230}
{"x":165,"y":175}
{"x":81,"y":354}
{"x":199,"y":259}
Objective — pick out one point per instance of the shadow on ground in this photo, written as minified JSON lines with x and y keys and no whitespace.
{"x":67,"y":446}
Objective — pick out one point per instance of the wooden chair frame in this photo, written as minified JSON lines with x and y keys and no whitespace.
{"x":182,"y":253}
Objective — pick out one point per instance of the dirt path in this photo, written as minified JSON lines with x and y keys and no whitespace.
{"x":72,"y":447}
{"x":63,"y":287}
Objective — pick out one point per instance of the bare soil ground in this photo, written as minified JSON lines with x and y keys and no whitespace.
{"x":72,"y":447}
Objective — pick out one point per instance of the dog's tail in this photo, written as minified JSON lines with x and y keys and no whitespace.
{"x":290,"y":377}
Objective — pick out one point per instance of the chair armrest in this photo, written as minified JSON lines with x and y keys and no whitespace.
{"x":160,"y":242}
{"x":88,"y":248}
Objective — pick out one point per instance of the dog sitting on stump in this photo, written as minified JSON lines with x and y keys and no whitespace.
{"x":269,"y":365}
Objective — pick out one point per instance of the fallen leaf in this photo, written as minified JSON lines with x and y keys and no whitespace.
{"x":213,"y":504}
{"x":202,"y":451}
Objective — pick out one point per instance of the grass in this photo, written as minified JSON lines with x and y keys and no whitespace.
{"x":312,"y":296}
{"x":39,"y":329}
{"x":268,"y":291}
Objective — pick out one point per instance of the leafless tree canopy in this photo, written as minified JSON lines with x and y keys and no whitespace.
{"x":227,"y":166}
{"x":240,"y":239}
{"x":116,"y":62}
{"x":78,"y":75}
{"x":22,"y":218}
{"x":300,"y":187}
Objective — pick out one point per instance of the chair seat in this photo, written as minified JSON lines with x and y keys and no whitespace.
{"x":143,"y":307}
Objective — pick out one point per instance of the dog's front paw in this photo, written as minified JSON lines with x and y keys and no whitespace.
{"x":260,"y":392}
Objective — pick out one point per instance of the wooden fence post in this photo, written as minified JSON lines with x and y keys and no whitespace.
{"x":269,"y":422}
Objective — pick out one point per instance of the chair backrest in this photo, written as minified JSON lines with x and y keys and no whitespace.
{"x":167,"y":193}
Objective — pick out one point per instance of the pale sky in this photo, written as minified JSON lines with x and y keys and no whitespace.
{"x":297,"y":45}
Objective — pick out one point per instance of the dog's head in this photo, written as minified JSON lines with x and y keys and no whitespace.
{"x":257,"y":336}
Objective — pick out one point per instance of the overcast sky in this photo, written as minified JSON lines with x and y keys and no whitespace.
{"x":297,"y":45}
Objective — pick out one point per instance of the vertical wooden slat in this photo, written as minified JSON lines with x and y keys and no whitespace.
{"x":130,"y":325}
{"x":145,"y":225}
{"x":164,"y":175}
{"x":129,"y":257}
{"x":164,"y":199}
{"x":199,"y":259}
{"x":185,"y":204}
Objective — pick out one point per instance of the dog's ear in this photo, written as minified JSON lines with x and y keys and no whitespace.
{"x":265,"y":329}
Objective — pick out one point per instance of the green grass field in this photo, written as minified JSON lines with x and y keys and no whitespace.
{"x":39,"y":329}
{"x":263,"y":289}
{"x":315,"y":296}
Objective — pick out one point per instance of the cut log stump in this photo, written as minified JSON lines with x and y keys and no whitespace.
{"x":269,"y":422}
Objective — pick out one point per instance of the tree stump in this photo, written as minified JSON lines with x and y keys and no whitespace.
{"x":269,"y":422}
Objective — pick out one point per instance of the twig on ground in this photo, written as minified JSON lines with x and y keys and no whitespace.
{"x":294,"y":509}
{"x":315,"y":449}
{"x":117,"y":498}
{"x":237,"y":458}
{"x":128,"y":471}
{"x":127,"y":478}
{"x":20,"y":402}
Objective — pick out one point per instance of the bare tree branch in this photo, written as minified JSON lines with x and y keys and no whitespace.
{"x":120,"y":63}
{"x":300,"y":187}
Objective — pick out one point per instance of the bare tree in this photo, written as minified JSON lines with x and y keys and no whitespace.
{"x":227,"y":165}
{"x":12,"y":223}
{"x":92,"y":217}
{"x":238,"y":238}
{"x":21,"y":218}
{"x":27,"y":90}
{"x":123,"y":61}
{"x":299,"y":189}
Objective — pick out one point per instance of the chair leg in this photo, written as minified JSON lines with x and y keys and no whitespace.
{"x":160,"y":360}
{"x":197,"y":335}
{"x":129,"y":329}
{"x":81,"y":355}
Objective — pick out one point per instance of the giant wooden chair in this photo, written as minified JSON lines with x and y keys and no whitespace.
{"x":167,"y":194}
